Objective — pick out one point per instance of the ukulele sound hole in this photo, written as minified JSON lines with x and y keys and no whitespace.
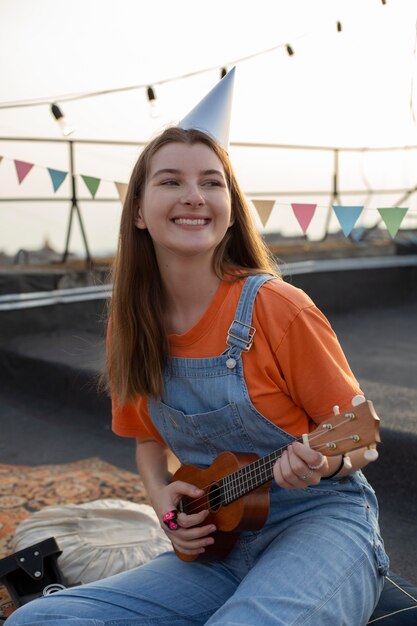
{"x":214,"y":497}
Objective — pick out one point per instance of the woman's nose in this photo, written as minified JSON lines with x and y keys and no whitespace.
{"x":193,"y":196}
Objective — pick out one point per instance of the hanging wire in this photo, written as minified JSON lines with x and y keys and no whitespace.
{"x":91,"y":94}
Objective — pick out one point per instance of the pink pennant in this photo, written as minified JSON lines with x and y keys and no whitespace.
{"x":304,"y":214}
{"x":22,"y":169}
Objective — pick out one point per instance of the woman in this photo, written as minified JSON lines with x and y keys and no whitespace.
{"x":209,"y":350}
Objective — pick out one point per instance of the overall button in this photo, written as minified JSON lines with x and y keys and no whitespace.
{"x":231,"y":363}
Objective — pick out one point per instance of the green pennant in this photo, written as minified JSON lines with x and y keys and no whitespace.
{"x":92,"y":184}
{"x":392,"y":217}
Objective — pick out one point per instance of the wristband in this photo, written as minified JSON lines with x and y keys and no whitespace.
{"x":336,"y":471}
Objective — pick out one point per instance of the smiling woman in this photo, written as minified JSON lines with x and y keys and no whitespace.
{"x":209,"y":352}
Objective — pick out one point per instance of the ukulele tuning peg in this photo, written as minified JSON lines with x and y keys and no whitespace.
{"x":347,"y":463}
{"x":357,"y":400}
{"x":371,"y":454}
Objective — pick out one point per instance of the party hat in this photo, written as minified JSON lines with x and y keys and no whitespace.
{"x":212,"y":114}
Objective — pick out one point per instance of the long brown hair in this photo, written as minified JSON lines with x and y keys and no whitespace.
{"x":138,"y":343}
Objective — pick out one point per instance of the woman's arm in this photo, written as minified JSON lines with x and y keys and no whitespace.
{"x":152,"y":460}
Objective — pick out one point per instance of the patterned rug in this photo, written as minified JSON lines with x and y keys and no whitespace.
{"x":24,"y":490}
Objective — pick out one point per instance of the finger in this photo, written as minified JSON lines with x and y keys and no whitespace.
{"x":305,"y":473}
{"x":284,"y":475}
{"x":309,"y":456}
{"x":195,"y":533}
{"x":182,"y":488}
{"x":188,"y":521}
{"x":185,"y":542}
{"x":302,"y":473}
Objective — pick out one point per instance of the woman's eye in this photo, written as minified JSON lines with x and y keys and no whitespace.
{"x":213,"y":183}
{"x":171,"y":181}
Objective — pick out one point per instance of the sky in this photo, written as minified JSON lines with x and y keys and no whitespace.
{"x":355,"y":88}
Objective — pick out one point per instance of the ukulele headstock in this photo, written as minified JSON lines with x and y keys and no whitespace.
{"x":342,"y":433}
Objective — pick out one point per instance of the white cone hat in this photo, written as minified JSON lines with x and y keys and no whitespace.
{"x":212,"y":114}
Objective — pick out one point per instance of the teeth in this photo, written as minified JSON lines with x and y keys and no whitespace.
{"x":196,"y":222}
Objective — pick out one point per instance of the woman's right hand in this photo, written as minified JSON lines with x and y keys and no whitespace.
{"x":192,"y":535}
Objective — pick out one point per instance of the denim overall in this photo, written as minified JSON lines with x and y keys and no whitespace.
{"x":318,"y":560}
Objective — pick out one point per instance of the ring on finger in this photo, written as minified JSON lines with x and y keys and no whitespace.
{"x":308,"y":475}
{"x":319,"y":466}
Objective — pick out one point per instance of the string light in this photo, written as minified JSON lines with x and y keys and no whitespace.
{"x":66,"y":129}
{"x":151,"y":94}
{"x":152,"y":101}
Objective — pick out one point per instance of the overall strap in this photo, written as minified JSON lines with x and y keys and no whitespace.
{"x":240,"y":334}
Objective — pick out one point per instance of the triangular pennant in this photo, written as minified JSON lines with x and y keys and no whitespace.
{"x":264,"y":208}
{"x":304,"y":214}
{"x":22,"y":169}
{"x":392,"y":218}
{"x":57,"y":177}
{"x":347,"y":216}
{"x":122,"y":191}
{"x":92,"y":184}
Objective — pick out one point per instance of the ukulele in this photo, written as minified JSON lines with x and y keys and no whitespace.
{"x":236,"y":485}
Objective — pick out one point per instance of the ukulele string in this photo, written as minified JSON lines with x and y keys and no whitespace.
{"x":216,"y":495}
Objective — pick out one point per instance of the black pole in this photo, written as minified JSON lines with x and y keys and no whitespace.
{"x":75,"y":207}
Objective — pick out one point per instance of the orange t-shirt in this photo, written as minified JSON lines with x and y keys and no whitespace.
{"x":295,"y":371}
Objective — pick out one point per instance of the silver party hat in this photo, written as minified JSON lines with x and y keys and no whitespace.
{"x":212,"y":114}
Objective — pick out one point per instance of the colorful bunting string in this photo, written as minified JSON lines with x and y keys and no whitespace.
{"x":303,"y":212}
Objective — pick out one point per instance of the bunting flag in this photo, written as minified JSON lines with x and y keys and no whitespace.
{"x":57,"y":177}
{"x":122,"y":191}
{"x":92,"y":184}
{"x":264,"y":208}
{"x":392,"y":218}
{"x":347,"y":216}
{"x":22,"y":169}
{"x":304,"y":214}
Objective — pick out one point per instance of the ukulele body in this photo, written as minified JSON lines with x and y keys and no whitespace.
{"x":248,"y":512}
{"x":236,"y":485}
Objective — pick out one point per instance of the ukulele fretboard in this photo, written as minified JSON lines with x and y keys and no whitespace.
{"x":248,"y":478}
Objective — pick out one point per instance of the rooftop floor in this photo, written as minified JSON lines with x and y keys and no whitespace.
{"x":43,"y":422}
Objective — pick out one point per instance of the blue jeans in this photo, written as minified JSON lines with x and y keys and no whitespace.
{"x":313,"y":565}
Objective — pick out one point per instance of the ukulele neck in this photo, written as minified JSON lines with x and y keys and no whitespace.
{"x":248,"y":478}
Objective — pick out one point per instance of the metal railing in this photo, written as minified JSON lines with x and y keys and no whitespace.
{"x":334,"y":192}
{"x":16,"y":301}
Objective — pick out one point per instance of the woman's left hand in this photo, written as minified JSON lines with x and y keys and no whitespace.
{"x":300,"y":466}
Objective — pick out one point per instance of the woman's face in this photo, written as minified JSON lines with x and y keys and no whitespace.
{"x":185,"y":205}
